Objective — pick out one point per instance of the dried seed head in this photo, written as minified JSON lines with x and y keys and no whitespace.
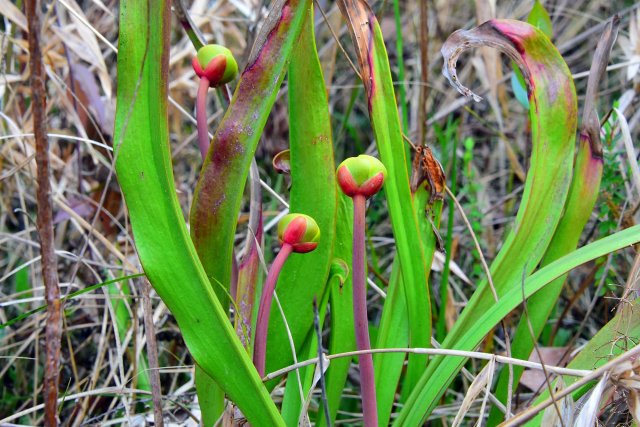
{"x":362,"y":175}
{"x":216,"y":63}
{"x":300,"y":231}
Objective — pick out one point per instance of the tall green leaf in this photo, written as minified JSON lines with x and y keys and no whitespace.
{"x":394,"y":326}
{"x":553,"y":127}
{"x":168,"y":256}
{"x":376,"y":76}
{"x":584,"y":191}
{"x":313,"y":192}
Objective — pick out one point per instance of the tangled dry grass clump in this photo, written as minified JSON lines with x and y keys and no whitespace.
{"x":105,"y":330}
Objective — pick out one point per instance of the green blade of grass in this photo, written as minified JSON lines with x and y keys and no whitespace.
{"x":553,"y":127}
{"x":145,"y":174}
{"x":313,"y":192}
{"x":538,"y":17}
{"x":439,"y":375}
{"x":376,"y":76}
{"x":402,"y":92}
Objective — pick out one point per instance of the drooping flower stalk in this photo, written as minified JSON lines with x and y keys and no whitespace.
{"x":297,"y":233}
{"x":360,"y":178}
{"x":215,"y":66}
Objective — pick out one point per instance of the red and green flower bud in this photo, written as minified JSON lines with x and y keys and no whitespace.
{"x":297,"y":233}
{"x":300,"y":231}
{"x":362,"y":175}
{"x":215,"y":63}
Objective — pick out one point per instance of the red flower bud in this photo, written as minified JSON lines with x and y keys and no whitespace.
{"x":362,"y":175}
{"x":300,"y":231}
{"x":216,"y":63}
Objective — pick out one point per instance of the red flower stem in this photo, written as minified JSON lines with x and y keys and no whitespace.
{"x":367,"y":382}
{"x":201,"y":116}
{"x":264,"y":310}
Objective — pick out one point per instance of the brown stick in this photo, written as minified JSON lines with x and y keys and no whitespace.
{"x":152,"y":354}
{"x":424,"y":72}
{"x":53,"y":330}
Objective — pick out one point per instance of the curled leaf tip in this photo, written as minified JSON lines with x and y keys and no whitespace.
{"x":215,"y":63}
{"x":451,"y":51}
{"x":300,"y":231}
{"x":282,"y":162}
{"x":362,"y":175}
{"x":590,"y":126}
{"x":505,"y":35}
{"x":339,"y":269}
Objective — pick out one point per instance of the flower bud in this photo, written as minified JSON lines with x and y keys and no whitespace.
{"x":216,"y":63}
{"x":300,"y":231}
{"x":362,"y":175}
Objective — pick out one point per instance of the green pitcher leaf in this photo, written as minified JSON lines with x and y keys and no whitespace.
{"x":145,"y":174}
{"x":218,"y":194}
{"x":584,"y":191}
{"x":553,"y":126}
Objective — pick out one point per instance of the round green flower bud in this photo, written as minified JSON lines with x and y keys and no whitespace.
{"x":300,"y":231}
{"x":362,"y":175}
{"x":216,"y":63}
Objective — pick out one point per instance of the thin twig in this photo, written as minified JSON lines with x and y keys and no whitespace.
{"x":424,"y":72}
{"x":434,"y":352}
{"x":323,"y":387}
{"x":152,"y":354}
{"x":118,"y":391}
{"x":531,"y":412}
{"x":537,"y":349}
{"x":337,"y":39}
{"x":45,"y":218}
{"x":485,"y":266}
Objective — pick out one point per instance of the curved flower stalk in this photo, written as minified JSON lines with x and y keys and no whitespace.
{"x":360,"y":178}
{"x":215,"y":65}
{"x":297,"y":233}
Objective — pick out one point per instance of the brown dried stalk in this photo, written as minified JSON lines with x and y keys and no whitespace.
{"x":152,"y":353}
{"x":45,"y":218}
